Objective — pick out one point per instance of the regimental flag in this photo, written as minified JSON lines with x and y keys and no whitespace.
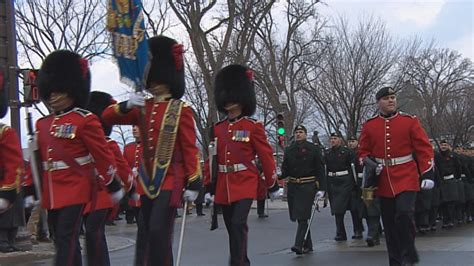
{"x":126,"y":23}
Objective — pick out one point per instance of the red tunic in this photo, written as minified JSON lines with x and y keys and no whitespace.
{"x":132,"y":154}
{"x":398,"y":136}
{"x":238,"y":143}
{"x":103,"y":200}
{"x":80,"y":135}
{"x":11,"y":161}
{"x":184,"y":165}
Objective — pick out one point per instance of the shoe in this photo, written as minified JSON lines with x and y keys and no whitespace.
{"x":450,"y":225}
{"x":434,"y":228}
{"x":110,"y":223}
{"x":372,"y":241}
{"x":43,"y":239}
{"x":201,"y":214}
{"x":340,"y":238}
{"x":34,"y":241}
{"x":307,"y":250}
{"x":6,"y":248}
{"x":262,"y":216}
{"x":297,"y":250}
{"x":357,"y":235}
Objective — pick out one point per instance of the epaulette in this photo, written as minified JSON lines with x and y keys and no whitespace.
{"x":82,"y":112}
{"x":3,"y":127}
{"x":253,"y":119}
{"x":375,"y":116}
{"x":218,"y":122}
{"x":406,"y":114}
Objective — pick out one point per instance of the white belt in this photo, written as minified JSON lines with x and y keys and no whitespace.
{"x":395,"y":161}
{"x":233,"y":167}
{"x":447,"y":177}
{"x":60,"y":165}
{"x":340,"y":173}
{"x":360,"y":175}
{"x":463,"y":175}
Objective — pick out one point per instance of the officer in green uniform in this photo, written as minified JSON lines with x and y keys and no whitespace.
{"x":435,"y":196}
{"x":449,"y":170}
{"x":357,"y":204}
{"x":302,"y":165}
{"x":464,"y":188}
{"x":341,"y":184}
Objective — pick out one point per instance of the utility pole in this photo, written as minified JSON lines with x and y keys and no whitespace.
{"x":8,"y":59}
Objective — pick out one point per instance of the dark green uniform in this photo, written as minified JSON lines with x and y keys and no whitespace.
{"x":341,"y":185}
{"x":449,"y":171}
{"x":470,"y":183}
{"x":302,"y":165}
{"x":435,"y":200}
{"x":464,"y":189}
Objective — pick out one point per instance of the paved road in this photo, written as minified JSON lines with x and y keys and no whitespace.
{"x":271,"y":238}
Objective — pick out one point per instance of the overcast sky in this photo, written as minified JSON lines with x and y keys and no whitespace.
{"x":448,"y":22}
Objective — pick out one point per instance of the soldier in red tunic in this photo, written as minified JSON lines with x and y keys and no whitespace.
{"x":132,"y":154}
{"x":11,"y":170}
{"x":74,"y":151}
{"x":239,"y":140}
{"x":172,"y":144}
{"x":96,"y":213}
{"x":394,"y":139}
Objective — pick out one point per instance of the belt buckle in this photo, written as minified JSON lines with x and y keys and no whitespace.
{"x":298,"y":181}
{"x":229,"y":168}
{"x":388,"y":162}
{"x":50,"y":165}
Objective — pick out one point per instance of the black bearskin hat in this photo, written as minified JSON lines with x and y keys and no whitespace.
{"x":98,"y":102}
{"x":3,"y":94}
{"x":234,"y":84}
{"x":65,"y":71}
{"x":166,"y":65}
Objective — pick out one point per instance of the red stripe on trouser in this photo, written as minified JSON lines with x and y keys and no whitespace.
{"x":74,"y":238}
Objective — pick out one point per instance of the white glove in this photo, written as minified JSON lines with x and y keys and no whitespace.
{"x":320,"y":194}
{"x":190,"y":195}
{"x":135,"y":196}
{"x":117,"y":195}
{"x":378,"y":169}
{"x":427,"y":184}
{"x":208,"y":198}
{"x":135,"y":99}
{"x":274,"y":195}
{"x":4,"y":205}
{"x":30,"y":202}
{"x":134,"y":171}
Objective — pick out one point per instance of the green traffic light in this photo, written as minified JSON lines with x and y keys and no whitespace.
{"x":281,"y":131}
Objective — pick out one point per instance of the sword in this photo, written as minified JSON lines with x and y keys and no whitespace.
{"x":354,"y":173}
{"x":181,"y":234}
{"x":316,"y":208}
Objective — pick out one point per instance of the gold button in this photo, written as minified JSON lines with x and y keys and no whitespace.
{"x":228,"y":161}
{"x":388,"y":127}
{"x":388,"y":134}
{"x":230,"y":131}
{"x":150,"y":139}
{"x":151,"y":129}
{"x":152,"y":121}
{"x":52,"y":133}
{"x":228,"y":152}
{"x":50,"y":150}
{"x":153,"y":113}
{"x":388,"y":140}
{"x":388,"y":148}
{"x":388,"y":155}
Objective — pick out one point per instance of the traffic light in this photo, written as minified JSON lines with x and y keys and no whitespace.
{"x":280,"y":125}
{"x":30,"y":89}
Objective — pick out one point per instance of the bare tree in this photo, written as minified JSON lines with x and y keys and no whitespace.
{"x":440,"y":76}
{"x":280,"y":58}
{"x":44,"y":26}
{"x":356,"y":64}
{"x":215,"y":28}
{"x":157,"y":17}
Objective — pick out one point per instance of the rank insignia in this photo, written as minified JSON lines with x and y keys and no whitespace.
{"x":241,"y":135}
{"x":66,"y":131}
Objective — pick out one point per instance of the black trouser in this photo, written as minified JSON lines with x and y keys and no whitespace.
{"x":7,"y":237}
{"x":132,"y":214}
{"x":422,"y":219}
{"x":261,"y":207}
{"x":96,"y":243}
{"x":448,"y":212}
{"x":398,"y":222}
{"x":158,"y":218}
{"x":373,"y":227}
{"x":460,"y":211}
{"x":66,"y":223}
{"x":141,"y":243}
{"x":300,"y":232}
{"x":356,"y":222}
{"x":235,"y":219}
{"x":199,"y":208}
{"x":433,"y":215}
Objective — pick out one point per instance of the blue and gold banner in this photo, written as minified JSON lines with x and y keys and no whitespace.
{"x":126,"y":24}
